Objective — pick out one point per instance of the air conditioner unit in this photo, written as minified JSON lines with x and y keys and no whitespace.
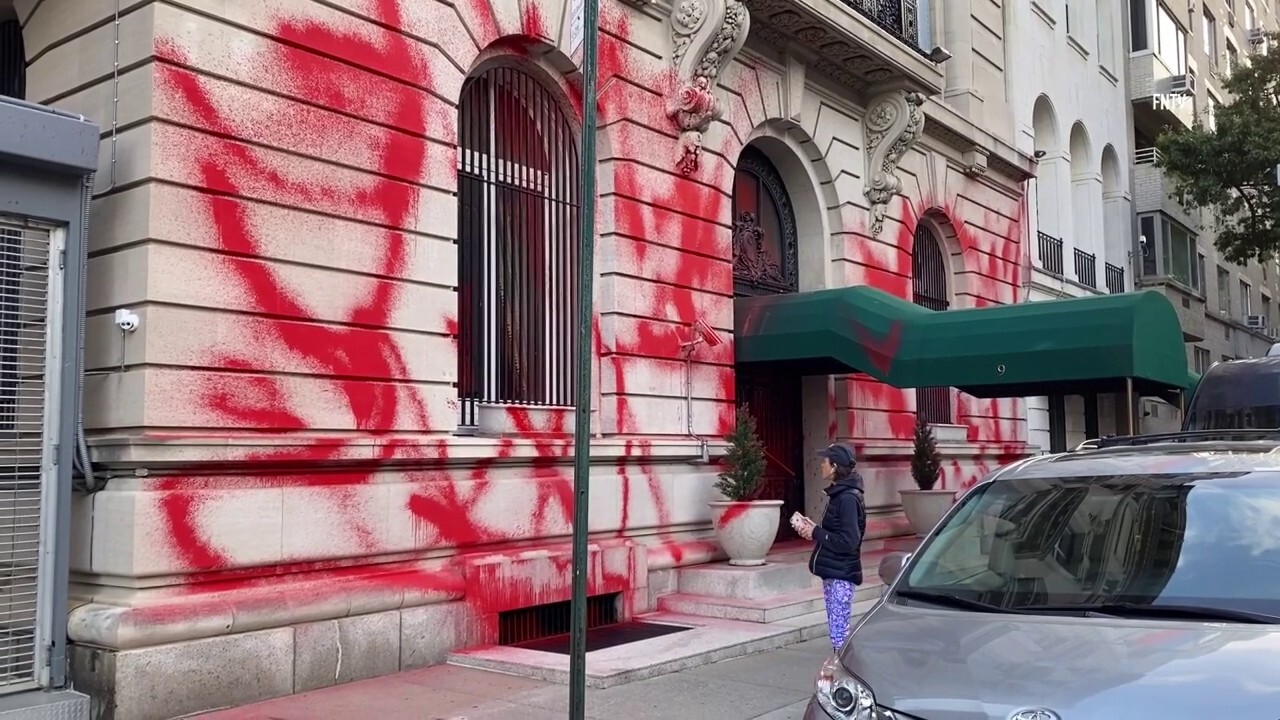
{"x":1255,"y":321}
{"x":1182,"y":84}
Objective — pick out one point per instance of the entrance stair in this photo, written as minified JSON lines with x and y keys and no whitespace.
{"x":729,"y":612}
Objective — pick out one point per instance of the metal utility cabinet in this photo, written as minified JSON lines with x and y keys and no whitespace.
{"x":47,"y":161}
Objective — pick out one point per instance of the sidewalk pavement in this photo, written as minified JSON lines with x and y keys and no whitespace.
{"x":773,"y":685}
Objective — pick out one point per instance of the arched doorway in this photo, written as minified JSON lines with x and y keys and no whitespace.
{"x":929,"y":289}
{"x":765,"y":262}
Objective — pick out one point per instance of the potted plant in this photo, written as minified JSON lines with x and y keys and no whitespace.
{"x":745,"y":527}
{"x":925,"y":506}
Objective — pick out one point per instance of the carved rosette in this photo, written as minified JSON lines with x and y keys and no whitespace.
{"x":894,"y":122}
{"x":706,"y":34}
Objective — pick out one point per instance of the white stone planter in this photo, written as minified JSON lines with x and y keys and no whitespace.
{"x":924,"y":508}
{"x":746,"y":530}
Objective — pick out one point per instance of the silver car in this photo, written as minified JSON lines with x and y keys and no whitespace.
{"x":1138,"y":579}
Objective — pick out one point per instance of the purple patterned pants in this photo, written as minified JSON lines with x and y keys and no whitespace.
{"x":839,"y":597}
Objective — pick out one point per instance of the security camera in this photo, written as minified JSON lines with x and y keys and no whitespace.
{"x":939,"y":54}
{"x":1038,"y":154}
{"x":708,"y":334}
{"x":127,"y":320}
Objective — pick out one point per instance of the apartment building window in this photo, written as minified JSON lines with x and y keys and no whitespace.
{"x":1200,"y":270}
{"x":1203,"y":359}
{"x":1171,"y":41}
{"x":13,"y":59}
{"x":1250,"y":17}
{"x":1211,"y":111}
{"x":1224,"y":291}
{"x":1176,"y":248}
{"x":1233,"y":57}
{"x":1210,"y":30}
{"x":1246,"y":302}
{"x":1265,"y":309}
{"x":1138,"y":25}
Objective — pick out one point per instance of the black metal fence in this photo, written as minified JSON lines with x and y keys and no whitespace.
{"x":1086,"y":268}
{"x":1050,"y":254}
{"x":899,"y":18}
{"x":518,"y":225}
{"x":1115,"y":278}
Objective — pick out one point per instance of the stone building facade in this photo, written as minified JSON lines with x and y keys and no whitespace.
{"x":348,"y":229}
{"x":1073,"y":112}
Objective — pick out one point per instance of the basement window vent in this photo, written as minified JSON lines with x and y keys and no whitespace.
{"x":545,"y":628}
{"x":553,"y":619}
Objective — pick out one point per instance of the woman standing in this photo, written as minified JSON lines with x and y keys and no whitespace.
{"x":837,"y":541}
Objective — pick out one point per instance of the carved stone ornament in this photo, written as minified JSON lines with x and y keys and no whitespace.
{"x":707,"y":34}
{"x":894,"y":122}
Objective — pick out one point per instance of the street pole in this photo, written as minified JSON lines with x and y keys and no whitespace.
{"x":582,"y":408}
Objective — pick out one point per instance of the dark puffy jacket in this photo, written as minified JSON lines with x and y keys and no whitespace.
{"x":837,"y":542}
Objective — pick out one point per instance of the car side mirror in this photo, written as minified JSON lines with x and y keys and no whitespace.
{"x":891,"y":566}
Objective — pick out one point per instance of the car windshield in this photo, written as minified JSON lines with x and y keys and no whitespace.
{"x":1208,"y":541}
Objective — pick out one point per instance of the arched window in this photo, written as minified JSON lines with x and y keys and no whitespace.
{"x":929,"y":289}
{"x":13,"y":59}
{"x":518,"y":225}
{"x":765,"y":258}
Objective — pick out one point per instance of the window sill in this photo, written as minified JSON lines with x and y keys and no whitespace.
{"x":1149,"y":280}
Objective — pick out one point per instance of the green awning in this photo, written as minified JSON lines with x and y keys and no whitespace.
{"x":1056,"y":347}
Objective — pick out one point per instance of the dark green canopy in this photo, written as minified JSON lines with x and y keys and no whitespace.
{"x":1072,"y":346}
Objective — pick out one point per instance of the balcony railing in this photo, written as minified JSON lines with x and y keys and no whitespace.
{"x":1086,"y":268}
{"x":1115,"y":279}
{"x":899,"y":18}
{"x":1050,"y":253}
{"x":1147,"y":156}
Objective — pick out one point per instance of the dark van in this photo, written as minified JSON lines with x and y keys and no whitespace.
{"x":1238,"y":394}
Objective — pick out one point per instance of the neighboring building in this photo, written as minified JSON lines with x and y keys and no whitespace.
{"x":348,"y":230}
{"x":1071,"y":111}
{"x":1179,"y":54}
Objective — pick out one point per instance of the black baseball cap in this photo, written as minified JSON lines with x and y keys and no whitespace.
{"x":838,"y":454}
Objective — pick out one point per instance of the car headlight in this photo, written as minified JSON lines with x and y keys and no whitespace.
{"x":845,"y":697}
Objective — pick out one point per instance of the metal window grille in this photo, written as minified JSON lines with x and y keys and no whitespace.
{"x":24,"y":304}
{"x":929,"y":289}
{"x":518,"y":225}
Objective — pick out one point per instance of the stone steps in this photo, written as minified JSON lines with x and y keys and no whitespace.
{"x":768,"y":609}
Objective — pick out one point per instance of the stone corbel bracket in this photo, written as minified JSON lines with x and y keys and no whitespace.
{"x":706,"y":34}
{"x":975,"y":162}
{"x":894,"y":122}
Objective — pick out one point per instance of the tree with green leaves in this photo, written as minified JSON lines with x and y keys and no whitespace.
{"x":926,"y":461}
{"x":1230,"y":169}
{"x":744,"y":462}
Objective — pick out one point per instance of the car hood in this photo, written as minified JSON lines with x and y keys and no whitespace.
{"x":942,"y":664}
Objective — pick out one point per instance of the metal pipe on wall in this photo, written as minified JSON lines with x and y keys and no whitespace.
{"x":90,"y":481}
{"x":1128,"y":404}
